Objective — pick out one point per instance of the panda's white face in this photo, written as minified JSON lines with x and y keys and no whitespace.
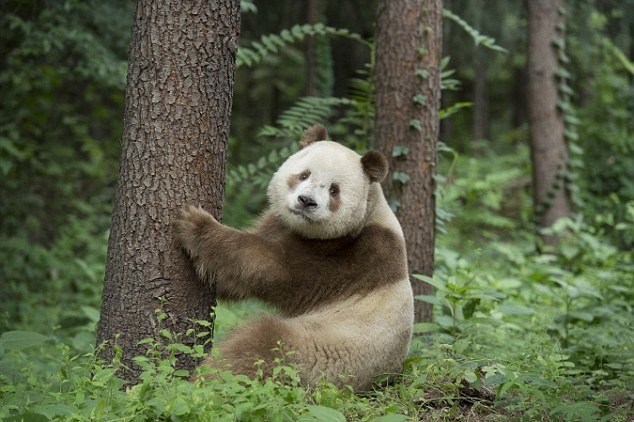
{"x":321,"y":192}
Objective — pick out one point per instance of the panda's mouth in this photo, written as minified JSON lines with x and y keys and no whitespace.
{"x":300,"y":214}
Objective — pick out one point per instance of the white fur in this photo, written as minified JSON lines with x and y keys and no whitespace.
{"x":362,"y":336}
{"x":359,"y":336}
{"x":328,"y":163}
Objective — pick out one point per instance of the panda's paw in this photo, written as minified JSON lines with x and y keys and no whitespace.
{"x":193,"y":224}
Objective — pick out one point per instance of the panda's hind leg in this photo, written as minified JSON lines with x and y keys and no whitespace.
{"x":259,"y":345}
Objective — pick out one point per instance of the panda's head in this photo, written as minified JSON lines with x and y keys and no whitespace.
{"x":322,"y":191}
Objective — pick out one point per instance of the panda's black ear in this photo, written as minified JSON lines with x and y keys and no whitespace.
{"x":374,"y":165}
{"x":313,"y":134}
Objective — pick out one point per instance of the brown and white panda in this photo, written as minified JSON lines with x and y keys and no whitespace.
{"x":329,"y":254}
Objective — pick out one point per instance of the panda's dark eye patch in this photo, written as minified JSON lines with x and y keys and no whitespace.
{"x":334,"y":190}
{"x":304,"y":175}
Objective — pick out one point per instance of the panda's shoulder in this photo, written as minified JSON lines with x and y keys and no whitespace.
{"x":269,"y":226}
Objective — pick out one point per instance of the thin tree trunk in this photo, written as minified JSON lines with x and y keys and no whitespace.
{"x":311,"y":57}
{"x":408,"y":47}
{"x":480,"y":98}
{"x":546,"y":123}
{"x":176,"y":124}
{"x":480,"y":101}
{"x":519,"y":97}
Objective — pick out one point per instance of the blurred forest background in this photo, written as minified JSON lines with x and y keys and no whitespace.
{"x":547,"y":331}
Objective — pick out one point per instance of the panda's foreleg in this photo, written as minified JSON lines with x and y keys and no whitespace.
{"x":243,"y":264}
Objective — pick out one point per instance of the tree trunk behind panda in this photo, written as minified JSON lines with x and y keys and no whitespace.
{"x":176,"y":128}
{"x":408,"y":54}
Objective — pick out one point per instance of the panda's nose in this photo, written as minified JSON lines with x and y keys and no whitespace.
{"x":307,"y":202}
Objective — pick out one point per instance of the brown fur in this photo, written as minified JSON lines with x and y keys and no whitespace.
{"x":375,"y":165}
{"x":293,"y":181}
{"x":295,"y":274}
{"x":346,"y":302}
{"x":264,"y":337}
{"x":334,"y":203}
{"x":313,"y":134}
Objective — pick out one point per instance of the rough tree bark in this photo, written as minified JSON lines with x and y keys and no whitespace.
{"x":546,"y":123}
{"x":408,"y":47}
{"x":176,"y":125}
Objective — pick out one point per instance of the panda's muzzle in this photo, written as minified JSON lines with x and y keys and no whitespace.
{"x":307,"y":202}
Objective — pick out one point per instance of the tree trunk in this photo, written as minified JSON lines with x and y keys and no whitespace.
{"x":311,"y":55}
{"x":176,"y":125}
{"x":408,"y":47}
{"x":480,"y":98}
{"x":546,"y":123}
{"x":519,"y":101}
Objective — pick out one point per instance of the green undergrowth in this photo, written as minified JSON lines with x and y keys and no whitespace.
{"x":517,"y":334}
{"x":520,"y":331}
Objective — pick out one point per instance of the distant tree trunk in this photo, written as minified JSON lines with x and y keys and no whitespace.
{"x":408,"y":47}
{"x":311,"y":56}
{"x":546,"y":124}
{"x":519,"y":97}
{"x":176,"y":124}
{"x":480,"y":98}
{"x":480,"y":128}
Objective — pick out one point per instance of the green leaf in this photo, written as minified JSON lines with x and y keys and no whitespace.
{"x":429,"y":299}
{"x":516,"y":310}
{"x":425,"y":327}
{"x":394,"y":204}
{"x":165,"y":333}
{"x":179,"y":347}
{"x":54,"y":410}
{"x":400,"y":151}
{"x":504,"y":388}
{"x":478,"y":38}
{"x":18,"y":340}
{"x":434,"y":282}
{"x":180,"y":408}
{"x":29,"y":417}
{"x":415,"y":123}
{"x":563,"y":73}
{"x":584,"y":316}
{"x":470,"y":377}
{"x":419,"y":99}
{"x":91,"y":313}
{"x":453,"y":109}
{"x":445,"y":321}
{"x":181,"y":373}
{"x":422,"y":73}
{"x":394,"y":417}
{"x":247,"y":6}
{"x":322,"y":414}
{"x":400,"y":177}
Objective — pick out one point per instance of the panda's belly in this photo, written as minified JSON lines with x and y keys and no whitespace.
{"x":361,"y":336}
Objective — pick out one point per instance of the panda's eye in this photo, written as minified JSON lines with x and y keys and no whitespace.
{"x":304,"y":175}
{"x":334,"y":190}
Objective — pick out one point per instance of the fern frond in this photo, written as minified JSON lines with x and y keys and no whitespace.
{"x":446,"y":82}
{"x":304,"y":113}
{"x":478,"y":38}
{"x":261,"y":171}
{"x":274,"y":43}
{"x":453,"y":109}
{"x":289,"y":126}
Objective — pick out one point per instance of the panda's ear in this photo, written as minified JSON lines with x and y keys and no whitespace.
{"x":374,"y":165}
{"x":313,"y":134}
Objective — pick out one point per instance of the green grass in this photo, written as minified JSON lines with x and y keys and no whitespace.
{"x":517,"y":334}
